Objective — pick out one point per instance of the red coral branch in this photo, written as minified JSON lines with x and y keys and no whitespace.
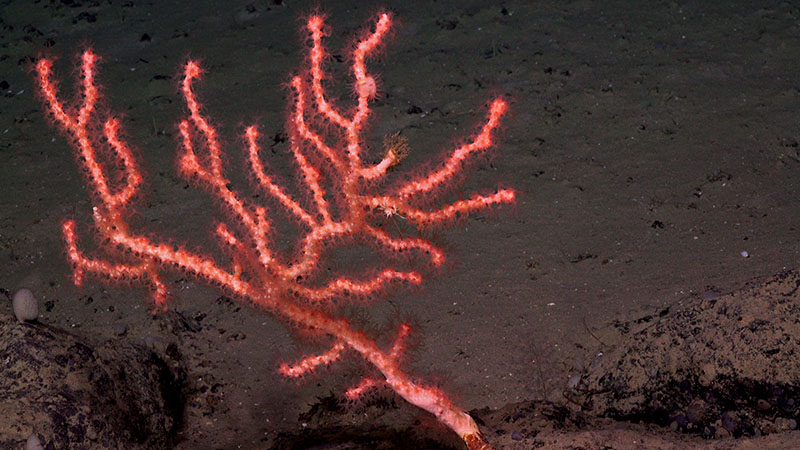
{"x":332,"y":169}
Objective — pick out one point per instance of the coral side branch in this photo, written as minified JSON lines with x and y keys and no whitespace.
{"x":481,"y":142}
{"x":257,"y":167}
{"x":310,"y":363}
{"x":113,"y":271}
{"x":345,"y":287}
{"x":75,"y":126}
{"x":365,"y":385}
{"x":337,"y":199}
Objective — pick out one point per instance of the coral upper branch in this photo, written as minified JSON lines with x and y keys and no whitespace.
{"x":75,"y":125}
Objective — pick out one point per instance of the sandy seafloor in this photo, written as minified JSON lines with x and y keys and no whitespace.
{"x":654,"y":147}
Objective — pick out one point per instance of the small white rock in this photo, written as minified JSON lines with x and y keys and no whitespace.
{"x":573,"y":381}
{"x":25,"y":306}
{"x":33,"y":443}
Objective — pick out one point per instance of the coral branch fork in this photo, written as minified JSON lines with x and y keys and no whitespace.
{"x":345,"y":197}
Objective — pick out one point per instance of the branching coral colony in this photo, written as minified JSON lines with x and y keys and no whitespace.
{"x":345,"y":197}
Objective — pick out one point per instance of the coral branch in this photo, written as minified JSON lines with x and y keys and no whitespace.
{"x":310,"y":363}
{"x":453,"y":163}
{"x":268,"y":185}
{"x":340,"y":200}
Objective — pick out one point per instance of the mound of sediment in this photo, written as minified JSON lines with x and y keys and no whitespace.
{"x":718,"y":365}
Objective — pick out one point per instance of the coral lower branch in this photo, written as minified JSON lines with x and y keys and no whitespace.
{"x":310,"y":363}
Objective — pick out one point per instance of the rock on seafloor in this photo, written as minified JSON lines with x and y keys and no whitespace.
{"x":72,"y":394}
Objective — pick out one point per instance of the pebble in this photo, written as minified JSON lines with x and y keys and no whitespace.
{"x":25,"y":307}
{"x":152,"y":341}
{"x":573,"y":381}
{"x":785,"y":424}
{"x":729,"y":421}
{"x":120,"y":329}
{"x":33,"y":443}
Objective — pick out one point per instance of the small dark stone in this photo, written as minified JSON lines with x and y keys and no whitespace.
{"x":680,"y":420}
{"x":695,"y":412}
{"x":729,"y":422}
{"x":120,"y":329}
